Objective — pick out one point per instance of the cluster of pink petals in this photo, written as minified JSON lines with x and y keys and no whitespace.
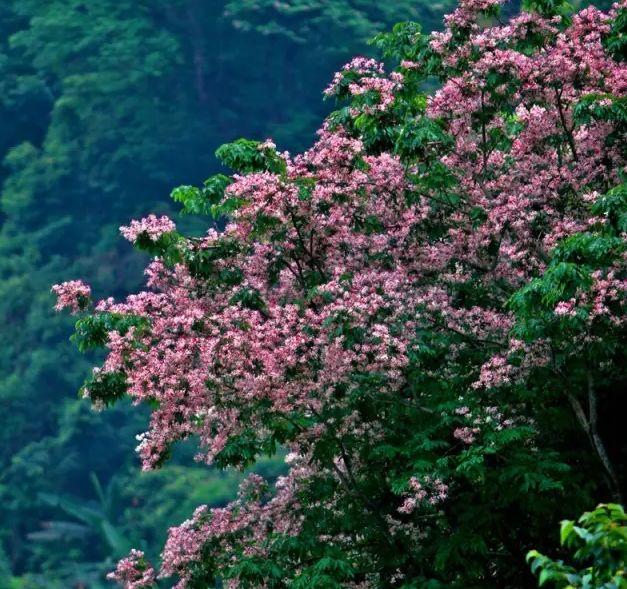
{"x":371,"y":80}
{"x":360,"y":65}
{"x":607,"y":291}
{"x":467,"y":12}
{"x":151,"y":226}
{"x":385,"y":88}
{"x":243,"y":525}
{"x":466,"y":434}
{"x":429,"y":491}
{"x":488,"y":418}
{"x":73,"y":295}
{"x":566,"y":308}
{"x":133,"y":572}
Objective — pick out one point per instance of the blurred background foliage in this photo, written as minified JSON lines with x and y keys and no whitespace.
{"x":105,"y":105}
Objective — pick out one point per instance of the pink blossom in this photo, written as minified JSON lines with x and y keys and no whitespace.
{"x":73,"y":295}
{"x":426,"y":492}
{"x":466,"y":434}
{"x":566,"y":308}
{"x":133,"y":572}
{"x":151,"y":226}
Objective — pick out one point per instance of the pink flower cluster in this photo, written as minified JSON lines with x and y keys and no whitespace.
{"x":151,"y":226}
{"x":608,"y":290}
{"x":133,"y":572}
{"x":487,"y":418}
{"x":385,"y":88}
{"x":466,"y":434}
{"x":242,"y":526}
{"x":366,"y":77}
{"x":359,"y":65}
{"x":73,"y":295}
{"x":468,"y":12}
{"x":428,"y":491}
{"x":566,"y":308}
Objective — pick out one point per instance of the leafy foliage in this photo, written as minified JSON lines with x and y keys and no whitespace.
{"x":598,"y":538}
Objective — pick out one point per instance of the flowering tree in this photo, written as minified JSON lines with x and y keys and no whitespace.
{"x":426,"y":309}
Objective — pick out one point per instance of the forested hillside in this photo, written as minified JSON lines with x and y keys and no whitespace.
{"x":105,"y":105}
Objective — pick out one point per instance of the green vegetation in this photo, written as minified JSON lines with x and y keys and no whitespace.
{"x":599,"y":540}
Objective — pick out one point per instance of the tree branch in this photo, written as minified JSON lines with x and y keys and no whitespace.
{"x":597,"y":442}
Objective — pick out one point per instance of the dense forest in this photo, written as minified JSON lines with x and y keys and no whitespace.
{"x":426,"y":450}
{"x":105,"y":105}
